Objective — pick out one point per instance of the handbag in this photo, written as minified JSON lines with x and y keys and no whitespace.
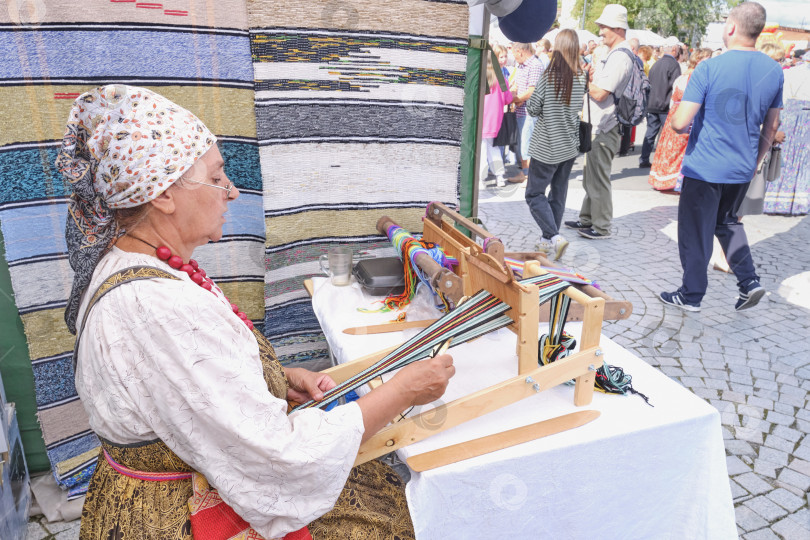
{"x":585,"y":128}
{"x":508,"y":134}
{"x":774,"y":169}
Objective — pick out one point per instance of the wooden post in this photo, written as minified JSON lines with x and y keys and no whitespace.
{"x":527,"y":329}
{"x":591,"y":334}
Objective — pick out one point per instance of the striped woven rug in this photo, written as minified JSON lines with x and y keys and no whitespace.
{"x":358,"y":114}
{"x":195,"y":54}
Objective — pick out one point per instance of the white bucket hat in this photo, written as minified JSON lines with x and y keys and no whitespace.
{"x":613,"y":16}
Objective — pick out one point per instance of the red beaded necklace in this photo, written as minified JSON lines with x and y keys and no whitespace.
{"x":194,"y":271}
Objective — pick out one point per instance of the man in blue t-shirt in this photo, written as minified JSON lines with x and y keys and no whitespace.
{"x":732,"y":104}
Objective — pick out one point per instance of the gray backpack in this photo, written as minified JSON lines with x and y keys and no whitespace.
{"x":631,"y":105}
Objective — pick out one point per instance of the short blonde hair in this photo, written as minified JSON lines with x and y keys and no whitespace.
{"x":773,"y":50}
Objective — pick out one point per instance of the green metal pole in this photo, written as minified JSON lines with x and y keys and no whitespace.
{"x":474,"y":92}
{"x":470,"y":138}
{"x":18,"y":376}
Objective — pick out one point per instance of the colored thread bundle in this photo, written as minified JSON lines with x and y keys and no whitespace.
{"x":408,"y":248}
{"x":613,"y":380}
{"x":559,"y":344}
{"x":481,"y":314}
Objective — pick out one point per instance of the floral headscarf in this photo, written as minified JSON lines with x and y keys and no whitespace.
{"x":123,"y":147}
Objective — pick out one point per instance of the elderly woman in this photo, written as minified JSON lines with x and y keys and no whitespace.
{"x":173,"y":377}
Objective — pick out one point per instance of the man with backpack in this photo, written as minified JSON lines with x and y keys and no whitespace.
{"x":617,"y":93}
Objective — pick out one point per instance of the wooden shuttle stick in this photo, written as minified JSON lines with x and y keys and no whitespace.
{"x":497,"y":441}
{"x":388,"y":327}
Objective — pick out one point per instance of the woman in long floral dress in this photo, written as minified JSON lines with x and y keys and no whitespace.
{"x":665,"y":173}
{"x":790,"y":193}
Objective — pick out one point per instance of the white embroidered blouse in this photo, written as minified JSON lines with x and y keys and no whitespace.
{"x":167,"y":359}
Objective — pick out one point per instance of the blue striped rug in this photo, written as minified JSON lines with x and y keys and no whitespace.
{"x":201,"y":62}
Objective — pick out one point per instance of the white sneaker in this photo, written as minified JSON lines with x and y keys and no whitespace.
{"x":545,"y":245}
{"x":560,"y":244}
{"x":500,"y":181}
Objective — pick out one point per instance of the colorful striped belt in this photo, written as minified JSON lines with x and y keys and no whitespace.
{"x":144,"y":475}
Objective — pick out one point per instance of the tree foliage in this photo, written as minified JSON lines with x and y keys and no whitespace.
{"x":685,"y":19}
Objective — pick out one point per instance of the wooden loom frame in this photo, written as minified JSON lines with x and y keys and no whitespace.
{"x":454,"y":242}
{"x":482,"y":271}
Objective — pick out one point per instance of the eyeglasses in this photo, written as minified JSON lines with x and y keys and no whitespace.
{"x":227,"y":188}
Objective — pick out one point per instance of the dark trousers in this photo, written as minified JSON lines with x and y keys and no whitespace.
{"x":654,"y":123}
{"x":628,"y":135}
{"x":548,"y":211}
{"x":705,"y":210}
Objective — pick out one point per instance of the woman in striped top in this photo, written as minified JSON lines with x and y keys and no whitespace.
{"x":556,"y":103}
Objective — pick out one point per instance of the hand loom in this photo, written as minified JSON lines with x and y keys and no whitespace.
{"x":444,"y":233}
{"x":479,"y":270}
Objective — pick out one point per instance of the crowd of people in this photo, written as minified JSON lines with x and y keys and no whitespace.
{"x":720,"y":149}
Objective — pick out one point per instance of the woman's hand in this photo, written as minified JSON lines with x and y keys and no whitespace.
{"x":417,"y":383}
{"x":779,"y":138}
{"x":306,"y":385}
{"x":424,"y":381}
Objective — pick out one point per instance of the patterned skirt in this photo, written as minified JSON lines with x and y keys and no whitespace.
{"x":371,"y":506}
{"x":790,"y":193}
{"x":666,"y":166}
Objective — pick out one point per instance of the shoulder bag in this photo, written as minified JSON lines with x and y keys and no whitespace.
{"x":508,"y":134}
{"x":774,"y":169}
{"x":585,"y":128}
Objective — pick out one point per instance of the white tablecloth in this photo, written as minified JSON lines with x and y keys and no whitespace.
{"x":635,"y":472}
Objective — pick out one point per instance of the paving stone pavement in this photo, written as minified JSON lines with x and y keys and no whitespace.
{"x":753,"y":365}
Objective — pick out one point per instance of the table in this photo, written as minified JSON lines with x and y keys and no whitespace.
{"x":636,"y":472}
